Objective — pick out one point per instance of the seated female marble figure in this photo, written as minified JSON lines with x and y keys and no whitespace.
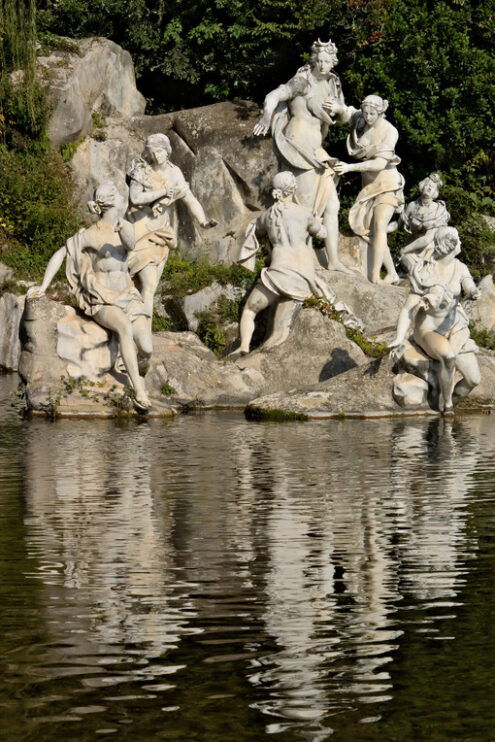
{"x":97,"y":269}
{"x":421,"y":218}
{"x":291,"y":274}
{"x":437,"y":321}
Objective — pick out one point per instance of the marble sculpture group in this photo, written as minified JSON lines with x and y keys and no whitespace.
{"x":114,"y":266}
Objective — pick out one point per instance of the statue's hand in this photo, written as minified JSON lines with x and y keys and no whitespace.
{"x":261,"y":128}
{"x":396,"y":349}
{"x":475,"y":294}
{"x":35,"y":292}
{"x":342,"y":167}
{"x":332,"y":106}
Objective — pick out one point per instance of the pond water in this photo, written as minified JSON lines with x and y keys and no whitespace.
{"x":206,"y":578}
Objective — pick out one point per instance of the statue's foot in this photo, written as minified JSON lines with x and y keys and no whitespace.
{"x":391,"y":278}
{"x":237,"y":353}
{"x":448,"y":412}
{"x":338,"y":266}
{"x":142,"y":403}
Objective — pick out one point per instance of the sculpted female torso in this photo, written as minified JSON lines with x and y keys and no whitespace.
{"x":295,"y":113}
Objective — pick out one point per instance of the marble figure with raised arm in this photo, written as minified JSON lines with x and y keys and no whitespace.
{"x":155,"y":184}
{"x":291,"y":275}
{"x":295,"y":114}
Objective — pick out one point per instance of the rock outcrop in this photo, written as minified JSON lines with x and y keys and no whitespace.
{"x":11,"y":309}
{"x":92,"y":76}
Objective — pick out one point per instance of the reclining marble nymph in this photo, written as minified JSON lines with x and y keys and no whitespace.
{"x":97,"y":269}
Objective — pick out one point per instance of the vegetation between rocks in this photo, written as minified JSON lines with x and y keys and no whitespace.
{"x":369,"y":346}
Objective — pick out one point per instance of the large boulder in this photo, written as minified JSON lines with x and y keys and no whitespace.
{"x":481,"y":311}
{"x":89,"y":76}
{"x":229,"y":170}
{"x":377,"y":306}
{"x":316,"y":349}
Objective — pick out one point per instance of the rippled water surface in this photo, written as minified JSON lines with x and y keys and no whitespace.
{"x":213,"y":579}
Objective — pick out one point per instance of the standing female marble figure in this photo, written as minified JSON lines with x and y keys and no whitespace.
{"x":98,"y":274}
{"x":299,"y":123}
{"x":372,"y":140}
{"x":155,"y":184}
{"x":422,"y":218}
{"x":436,"y":318}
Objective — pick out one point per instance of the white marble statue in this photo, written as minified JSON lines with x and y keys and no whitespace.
{"x":155,"y":184}
{"x":97,"y":269}
{"x":372,"y":141}
{"x":291,"y":275}
{"x":435,"y":320}
{"x":296,"y":115}
{"x":421,"y":218}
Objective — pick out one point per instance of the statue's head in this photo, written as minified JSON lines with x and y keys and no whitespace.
{"x":157,"y":149}
{"x":430,"y":186}
{"x":323,"y":57}
{"x":372,"y":107}
{"x":283,"y":185}
{"x":446,"y":241}
{"x":106,"y":197}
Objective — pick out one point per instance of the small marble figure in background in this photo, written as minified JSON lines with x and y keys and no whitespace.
{"x":97,"y":268}
{"x":156,"y":184}
{"x":421,"y":218}
{"x":299,"y":122}
{"x":291,"y":273}
{"x":372,"y":140}
{"x":436,"y":320}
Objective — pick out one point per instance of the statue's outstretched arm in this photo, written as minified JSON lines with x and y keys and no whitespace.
{"x":53,"y":267}
{"x":197,"y":211}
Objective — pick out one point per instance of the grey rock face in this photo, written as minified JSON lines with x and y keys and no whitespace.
{"x":362,"y":391}
{"x":317,"y":349}
{"x":482,"y":310}
{"x":97,"y":75}
{"x":377,"y":306}
{"x":11,"y":309}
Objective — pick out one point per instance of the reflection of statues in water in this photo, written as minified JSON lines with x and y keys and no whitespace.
{"x":97,"y":268}
{"x":299,"y":124}
{"x":92,"y":511}
{"x":421,"y":218}
{"x":437,"y":321}
{"x":155,"y":185}
{"x":372,"y":141}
